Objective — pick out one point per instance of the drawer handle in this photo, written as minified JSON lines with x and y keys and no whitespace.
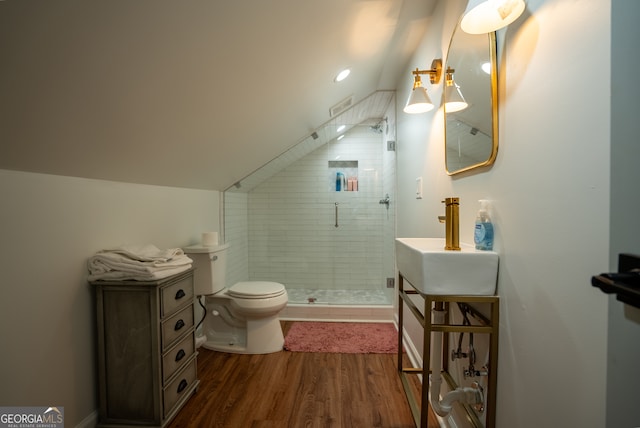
{"x":180,"y":294}
{"x":183,"y":385}
{"x":180,"y":355}
{"x":179,"y":325}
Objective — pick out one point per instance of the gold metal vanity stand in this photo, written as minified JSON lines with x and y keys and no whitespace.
{"x":488,"y":326}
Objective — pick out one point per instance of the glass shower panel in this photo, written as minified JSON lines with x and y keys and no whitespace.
{"x":355,"y":165}
{"x":312,"y":218}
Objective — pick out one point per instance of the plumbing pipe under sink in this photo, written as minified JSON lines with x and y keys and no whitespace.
{"x":466,"y":395}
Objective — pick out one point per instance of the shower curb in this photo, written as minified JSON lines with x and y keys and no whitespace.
{"x":319,"y":312}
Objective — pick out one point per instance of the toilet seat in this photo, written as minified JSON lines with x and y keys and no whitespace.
{"x":256,"y":290}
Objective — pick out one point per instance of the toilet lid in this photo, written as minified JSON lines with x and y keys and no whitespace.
{"x":256,"y":289}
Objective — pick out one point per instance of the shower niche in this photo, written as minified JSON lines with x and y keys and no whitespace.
{"x":343,"y":175}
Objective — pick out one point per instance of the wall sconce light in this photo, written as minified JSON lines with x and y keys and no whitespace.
{"x":419,"y":101}
{"x":454,"y":101}
{"x":486,"y":16}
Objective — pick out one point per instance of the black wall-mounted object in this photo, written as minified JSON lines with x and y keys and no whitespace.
{"x":625,"y":283}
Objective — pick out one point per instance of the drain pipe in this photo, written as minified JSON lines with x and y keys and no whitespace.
{"x":465,"y":395}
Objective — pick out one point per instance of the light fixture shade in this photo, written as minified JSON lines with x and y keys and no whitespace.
{"x":418,"y":101}
{"x":485,"y":16}
{"x":454,"y":101}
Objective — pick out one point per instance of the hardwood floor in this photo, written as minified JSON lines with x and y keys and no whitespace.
{"x":291,"y":389}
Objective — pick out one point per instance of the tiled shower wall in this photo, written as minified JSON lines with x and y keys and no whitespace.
{"x":290,"y":218}
{"x":236,"y":227}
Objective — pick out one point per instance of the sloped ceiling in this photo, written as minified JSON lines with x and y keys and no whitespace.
{"x":368,"y":112}
{"x":190,"y":93}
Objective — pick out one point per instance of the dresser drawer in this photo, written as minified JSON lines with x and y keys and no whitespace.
{"x":177,"y":357}
{"x":176,"y":325}
{"x":176,"y":295}
{"x":181,"y":385}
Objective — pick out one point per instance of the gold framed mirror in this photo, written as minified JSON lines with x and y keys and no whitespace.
{"x":471,"y":133}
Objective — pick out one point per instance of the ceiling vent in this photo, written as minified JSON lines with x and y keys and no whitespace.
{"x":341,"y":106}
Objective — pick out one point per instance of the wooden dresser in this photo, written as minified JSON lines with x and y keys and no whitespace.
{"x":146,"y":349}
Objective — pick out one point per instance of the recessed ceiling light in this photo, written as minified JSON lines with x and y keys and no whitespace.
{"x":342,"y":75}
{"x":340,"y":128}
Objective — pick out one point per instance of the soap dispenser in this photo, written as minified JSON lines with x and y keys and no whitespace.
{"x":483,"y":233}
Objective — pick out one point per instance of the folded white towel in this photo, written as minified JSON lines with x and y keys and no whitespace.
{"x":141,"y":263}
{"x":137,"y":276}
{"x":146,"y":253}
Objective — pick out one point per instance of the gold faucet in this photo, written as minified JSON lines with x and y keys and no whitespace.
{"x":451,"y":221}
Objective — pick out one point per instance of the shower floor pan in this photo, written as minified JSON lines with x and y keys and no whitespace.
{"x":338,"y":297}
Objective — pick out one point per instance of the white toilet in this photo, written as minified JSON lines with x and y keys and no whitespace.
{"x":243,"y":318}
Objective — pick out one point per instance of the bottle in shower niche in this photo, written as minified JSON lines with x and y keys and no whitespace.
{"x":483,"y":233}
{"x":340,"y":182}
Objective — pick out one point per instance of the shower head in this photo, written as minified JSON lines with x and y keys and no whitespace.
{"x":376,"y":128}
{"x":379,"y":128}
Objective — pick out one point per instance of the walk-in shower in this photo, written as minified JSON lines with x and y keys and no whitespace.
{"x":312,"y":219}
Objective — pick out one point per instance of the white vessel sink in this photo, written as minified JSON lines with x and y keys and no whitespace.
{"x":432,"y":270}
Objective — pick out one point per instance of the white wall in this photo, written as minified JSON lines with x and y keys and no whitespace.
{"x":550,"y":187}
{"x":50,"y":225}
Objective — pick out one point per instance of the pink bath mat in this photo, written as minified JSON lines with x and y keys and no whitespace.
{"x":341,"y":337}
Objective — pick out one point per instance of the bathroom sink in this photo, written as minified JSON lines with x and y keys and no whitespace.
{"x":432,"y":270}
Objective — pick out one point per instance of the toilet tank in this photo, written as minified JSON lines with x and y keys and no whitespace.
{"x":210,"y":263}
